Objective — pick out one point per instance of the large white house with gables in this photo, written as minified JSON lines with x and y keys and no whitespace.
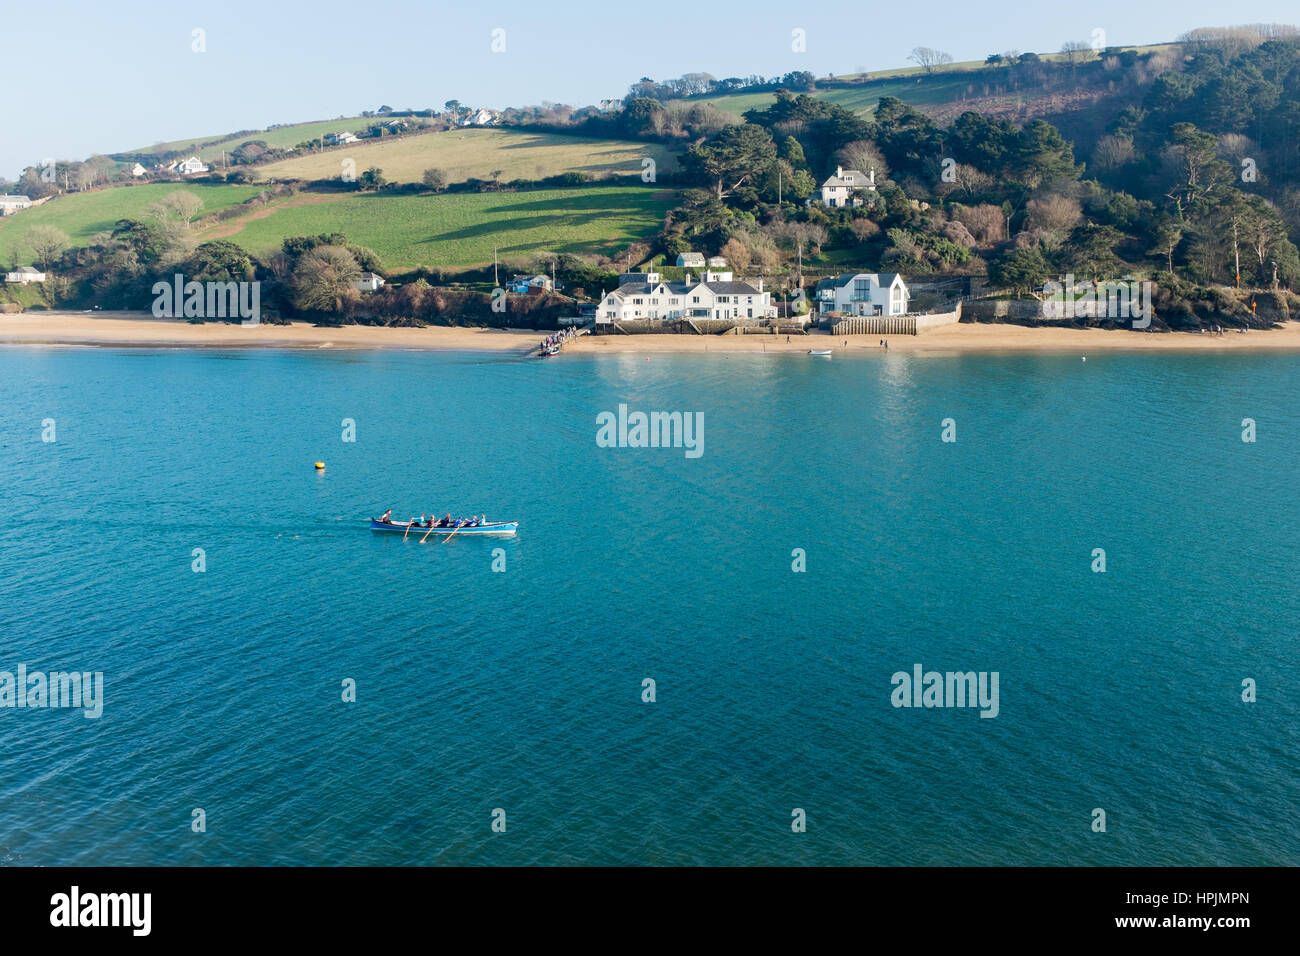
{"x":841,"y":189}
{"x":863,"y":293}
{"x":646,"y":295}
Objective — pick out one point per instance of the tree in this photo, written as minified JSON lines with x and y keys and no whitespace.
{"x":1043,"y":155}
{"x":46,"y":243}
{"x":219,"y":261}
{"x":929,"y":59}
{"x":372,"y":179}
{"x":1168,"y":234}
{"x":434,"y":179}
{"x":324,"y":278}
{"x":736,"y":254}
{"x":1197,"y":154}
{"x":734,"y":156}
{"x":1074,"y":52}
{"x":1021,"y":270}
{"x":177,"y":209}
{"x":1091,"y":249}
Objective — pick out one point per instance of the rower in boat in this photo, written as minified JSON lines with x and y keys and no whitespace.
{"x":387,"y":516}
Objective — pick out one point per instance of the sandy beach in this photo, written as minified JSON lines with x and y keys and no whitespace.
{"x":143,"y":330}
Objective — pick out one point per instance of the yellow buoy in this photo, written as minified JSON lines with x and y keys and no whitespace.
{"x":320,"y":466}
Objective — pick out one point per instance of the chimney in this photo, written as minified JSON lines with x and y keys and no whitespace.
{"x":839,"y":172}
{"x":873,"y":175}
{"x":760,"y":283}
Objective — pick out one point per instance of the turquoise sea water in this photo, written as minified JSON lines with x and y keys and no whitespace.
{"x":522,"y":689}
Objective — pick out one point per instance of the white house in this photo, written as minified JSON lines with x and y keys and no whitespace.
{"x":610,"y":106}
{"x":838,"y":190}
{"x":340,"y":139}
{"x":691,"y":260}
{"x":479,"y":118}
{"x":13,"y":203}
{"x":369,"y":282}
{"x":190,"y":167}
{"x":645,"y":295}
{"x":137,"y":170}
{"x":717,"y":262}
{"x":25,"y":275}
{"x":863,"y":293}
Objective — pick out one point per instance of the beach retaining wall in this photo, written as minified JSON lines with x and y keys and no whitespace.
{"x":895,"y":324}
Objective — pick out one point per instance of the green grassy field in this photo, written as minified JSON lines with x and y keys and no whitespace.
{"x":913,"y":89}
{"x":83,"y":215}
{"x":281,"y":136}
{"x":461,"y":230}
{"x":476,"y":153}
{"x":952,"y":83}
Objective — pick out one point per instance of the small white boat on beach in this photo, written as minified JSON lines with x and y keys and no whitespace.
{"x":819,"y":351}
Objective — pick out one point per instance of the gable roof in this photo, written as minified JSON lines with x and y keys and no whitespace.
{"x":882,"y":279}
{"x":852,"y":177}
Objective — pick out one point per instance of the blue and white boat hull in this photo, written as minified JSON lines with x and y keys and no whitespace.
{"x":492,"y":527}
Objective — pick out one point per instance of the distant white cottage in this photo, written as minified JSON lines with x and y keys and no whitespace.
{"x":13,"y":203}
{"x":840,"y":189}
{"x":645,"y":295}
{"x":369,"y":282}
{"x":190,"y":167}
{"x":691,"y":260}
{"x":25,"y":275}
{"x":340,"y":139}
{"x":479,"y":118}
{"x":137,"y":170}
{"x":863,"y":293}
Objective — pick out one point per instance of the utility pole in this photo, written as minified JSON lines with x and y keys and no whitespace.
{"x":496,"y":281}
{"x":778,"y":184}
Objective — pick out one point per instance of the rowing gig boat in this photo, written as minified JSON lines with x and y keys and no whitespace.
{"x":819,"y":351}
{"x":401,"y":527}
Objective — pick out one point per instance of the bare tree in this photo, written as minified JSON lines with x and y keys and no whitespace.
{"x":1075,"y":51}
{"x":929,"y":59}
{"x":46,"y":243}
{"x":324,"y":278}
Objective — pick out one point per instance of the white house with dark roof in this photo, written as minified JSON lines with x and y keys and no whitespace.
{"x":691,"y":260}
{"x":645,"y":295}
{"x":863,"y":293}
{"x":840,"y":189}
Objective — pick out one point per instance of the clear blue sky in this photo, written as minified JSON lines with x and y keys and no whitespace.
{"x":89,"y":76}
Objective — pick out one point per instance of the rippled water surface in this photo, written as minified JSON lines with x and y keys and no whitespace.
{"x":522,"y":689}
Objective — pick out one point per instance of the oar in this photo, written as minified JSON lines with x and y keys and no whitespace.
{"x":429,"y":532}
{"x":448,"y":538}
{"x":408,"y":531}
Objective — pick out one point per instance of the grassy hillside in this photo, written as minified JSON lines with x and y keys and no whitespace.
{"x":915,"y":90}
{"x":281,"y":136}
{"x":462,"y":154}
{"x":460,"y":230}
{"x":953,"y":84}
{"x":82,"y":215}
